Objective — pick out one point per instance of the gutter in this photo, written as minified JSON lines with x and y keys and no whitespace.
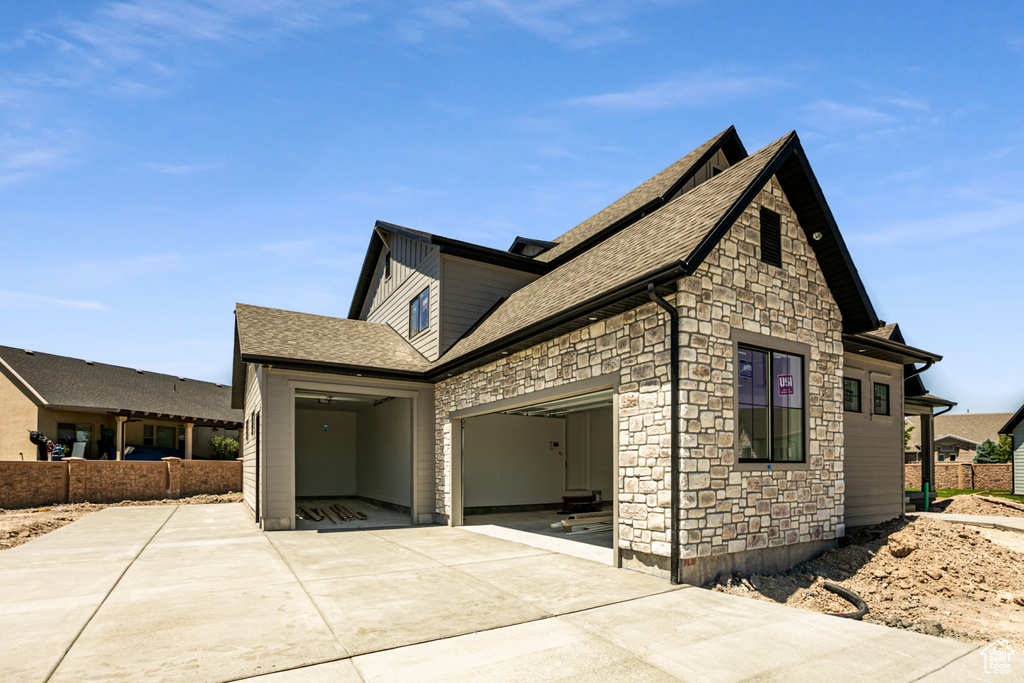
{"x":918,"y":371}
{"x":673,"y":373}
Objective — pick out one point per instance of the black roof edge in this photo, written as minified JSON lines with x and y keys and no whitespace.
{"x":1017,"y":418}
{"x":237,"y":374}
{"x":871,"y":321}
{"x":661,"y":278}
{"x":519,"y":242}
{"x":908,"y":354}
{"x":366,"y":275}
{"x":337,"y":368}
{"x":715,"y":235}
{"x":496,"y":257}
{"x":737,"y":152}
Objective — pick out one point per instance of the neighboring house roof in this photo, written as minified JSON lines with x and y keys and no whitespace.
{"x":73,"y":383}
{"x":958,"y":439}
{"x":276,"y":337}
{"x":645,"y":198}
{"x":973,"y":427}
{"x":1015,"y":420}
{"x":612,"y":275}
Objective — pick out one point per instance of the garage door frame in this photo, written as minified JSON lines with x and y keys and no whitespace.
{"x":569,"y":390}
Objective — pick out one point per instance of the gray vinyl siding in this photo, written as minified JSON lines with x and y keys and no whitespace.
{"x":468,"y":290}
{"x":253,"y":404}
{"x":1018,"y":460}
{"x":278,"y":473}
{"x":415,"y":266}
{"x":873,"y":446}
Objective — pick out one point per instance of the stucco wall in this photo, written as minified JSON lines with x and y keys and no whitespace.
{"x":726,"y":507}
{"x":18,"y":416}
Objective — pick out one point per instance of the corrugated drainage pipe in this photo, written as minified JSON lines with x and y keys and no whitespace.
{"x":673,"y":373}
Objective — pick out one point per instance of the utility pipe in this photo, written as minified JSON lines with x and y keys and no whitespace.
{"x":673,"y":373}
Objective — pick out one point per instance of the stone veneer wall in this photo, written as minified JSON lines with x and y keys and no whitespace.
{"x":963,"y":475}
{"x":32,"y":484}
{"x":725,"y":510}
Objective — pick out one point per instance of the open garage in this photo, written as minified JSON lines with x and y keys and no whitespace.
{"x":353,"y":460}
{"x":531,"y":467}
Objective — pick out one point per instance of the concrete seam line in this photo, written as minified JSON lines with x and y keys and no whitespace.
{"x":309,"y":597}
{"x":111,"y":590}
{"x":955,"y":659}
{"x":354,"y":657}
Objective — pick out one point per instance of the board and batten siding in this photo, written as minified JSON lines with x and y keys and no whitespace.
{"x":470,"y":289}
{"x":706,"y":172}
{"x":873,"y":445}
{"x":415,"y":266}
{"x":1018,"y":460}
{"x":253,"y":405}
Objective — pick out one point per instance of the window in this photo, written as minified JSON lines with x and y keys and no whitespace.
{"x":147,"y":435}
{"x":881,"y":399}
{"x":851,"y":395}
{"x":770,"y":406}
{"x":68,"y":434}
{"x":419,"y":313}
{"x":387,"y":264}
{"x":771,"y":238}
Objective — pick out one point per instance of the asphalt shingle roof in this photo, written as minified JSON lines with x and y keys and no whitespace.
{"x":270,"y":333}
{"x":73,"y":382}
{"x":974,"y":427}
{"x":669,"y":235}
{"x":628,"y":203}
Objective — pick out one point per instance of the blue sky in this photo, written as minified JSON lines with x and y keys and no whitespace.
{"x":161,"y":160}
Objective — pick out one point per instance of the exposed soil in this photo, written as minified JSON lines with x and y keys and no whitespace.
{"x":980,"y":505}
{"x":21,"y":526}
{"x":926,"y":575}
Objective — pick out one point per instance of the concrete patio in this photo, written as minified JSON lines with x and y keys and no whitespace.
{"x":197,"y":593}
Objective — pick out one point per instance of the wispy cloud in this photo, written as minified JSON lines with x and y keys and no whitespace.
{"x":571,"y":23}
{"x":998,"y":215}
{"x":179,"y":169}
{"x":24,"y":300}
{"x":697,"y":89}
{"x":25,"y":156}
{"x":139,"y":46}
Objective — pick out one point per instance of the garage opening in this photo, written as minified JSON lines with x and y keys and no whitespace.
{"x":546,"y":469}
{"x":353,"y":461}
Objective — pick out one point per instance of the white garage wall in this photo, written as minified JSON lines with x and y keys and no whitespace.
{"x":590,"y":457}
{"x":325,"y":461}
{"x":507,"y":460}
{"x":384,"y":449}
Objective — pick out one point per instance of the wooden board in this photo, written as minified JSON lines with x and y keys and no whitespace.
{"x":316,"y":517}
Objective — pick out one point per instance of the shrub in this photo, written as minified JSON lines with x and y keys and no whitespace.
{"x":989,"y":451}
{"x":224,"y":448}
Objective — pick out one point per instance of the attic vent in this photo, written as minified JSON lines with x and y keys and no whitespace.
{"x":31,"y":353}
{"x":88,"y":362}
{"x":771,"y":238}
{"x":182,"y":379}
{"x":139,"y":371}
{"x":715,"y":171}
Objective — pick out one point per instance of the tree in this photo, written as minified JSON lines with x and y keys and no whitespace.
{"x":991,"y":452}
{"x":224,"y":448}
{"x":907,"y":431}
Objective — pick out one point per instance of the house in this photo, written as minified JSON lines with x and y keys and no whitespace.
{"x":702,"y":353}
{"x":960,"y":435}
{"x":106,"y":408}
{"x":1014,"y":427}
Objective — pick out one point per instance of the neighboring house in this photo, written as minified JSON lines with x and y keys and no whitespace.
{"x":106,"y":408}
{"x":960,"y":434}
{"x":469,"y":380}
{"x":1014,"y":427}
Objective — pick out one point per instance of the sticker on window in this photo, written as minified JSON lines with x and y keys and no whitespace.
{"x":746,"y":368}
{"x":785,"y":385}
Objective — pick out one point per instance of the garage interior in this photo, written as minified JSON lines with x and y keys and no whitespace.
{"x":530,"y":468}
{"x":353,"y":461}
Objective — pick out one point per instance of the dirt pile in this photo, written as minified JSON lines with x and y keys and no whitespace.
{"x":928,"y":576}
{"x":21,"y":526}
{"x":980,"y":505}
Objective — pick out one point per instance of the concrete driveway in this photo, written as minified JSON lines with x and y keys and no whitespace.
{"x":197,"y":593}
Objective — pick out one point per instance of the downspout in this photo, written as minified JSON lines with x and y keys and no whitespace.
{"x":918,"y":371}
{"x":673,"y":373}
